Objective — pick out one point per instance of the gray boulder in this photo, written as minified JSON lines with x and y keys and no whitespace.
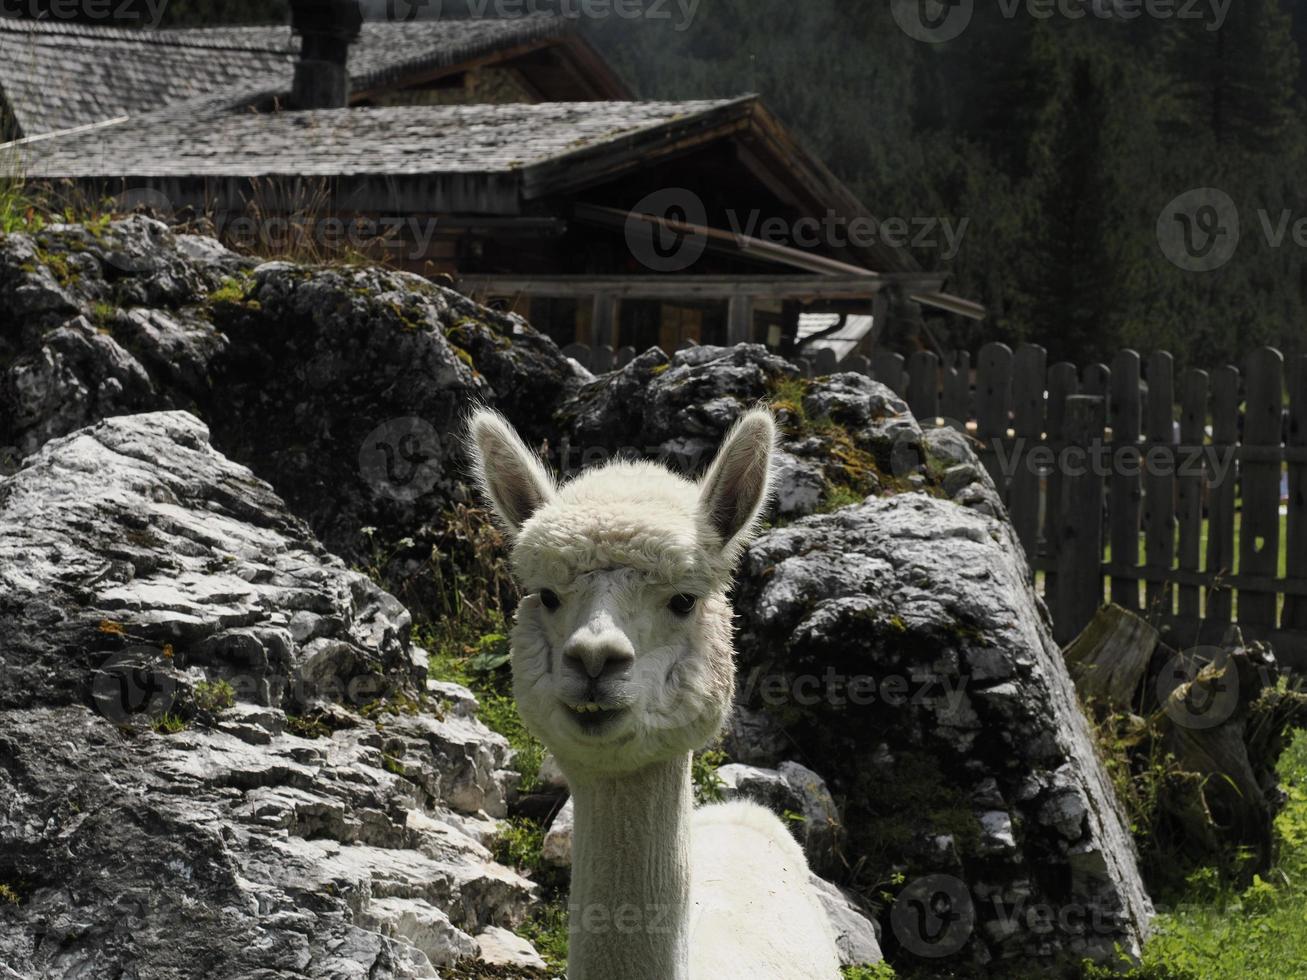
{"x":215,"y":757}
{"x":844,"y":436}
{"x":898,"y":642}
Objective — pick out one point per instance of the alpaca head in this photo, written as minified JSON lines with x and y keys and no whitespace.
{"x":622,"y":651}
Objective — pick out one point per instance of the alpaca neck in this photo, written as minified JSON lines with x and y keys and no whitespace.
{"x":630,"y":900}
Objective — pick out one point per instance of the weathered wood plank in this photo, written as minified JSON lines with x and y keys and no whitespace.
{"x":739,"y":320}
{"x":923,"y":387}
{"x":603,"y":321}
{"x":1221,"y":492}
{"x":1295,"y":608}
{"x":825,"y":362}
{"x":1096,"y":380}
{"x":1080,"y":525}
{"x":1159,"y":479}
{"x":1028,"y":371}
{"x":601,"y":359}
{"x":993,"y":403}
{"x":1063,"y":382}
{"x":1189,"y":489}
{"x":887,"y":368}
{"x":1259,"y":537}
{"x":1124,"y":484}
{"x":858,"y":364}
{"x":956,"y":402}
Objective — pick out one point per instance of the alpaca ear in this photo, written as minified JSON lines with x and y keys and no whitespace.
{"x":738,"y":483}
{"x":511,"y":478}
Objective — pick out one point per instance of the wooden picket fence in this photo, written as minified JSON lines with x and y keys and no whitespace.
{"x":1126,"y":482}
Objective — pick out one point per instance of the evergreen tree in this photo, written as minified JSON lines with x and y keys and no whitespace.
{"x":1071,"y":268}
{"x":1235,"y":83}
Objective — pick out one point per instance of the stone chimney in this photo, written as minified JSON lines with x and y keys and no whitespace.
{"x":326,"y":27}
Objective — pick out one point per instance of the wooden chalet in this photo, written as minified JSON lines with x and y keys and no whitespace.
{"x":505,"y":155}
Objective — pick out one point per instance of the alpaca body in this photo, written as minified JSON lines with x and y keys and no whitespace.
{"x":623,"y":666}
{"x":754,"y":912}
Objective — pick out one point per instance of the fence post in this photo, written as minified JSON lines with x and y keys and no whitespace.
{"x":923,"y":387}
{"x":887,"y":368}
{"x":1259,"y":521}
{"x":1063,"y":382}
{"x":579,"y":353}
{"x":825,"y":362}
{"x":993,"y":397}
{"x":1189,"y":491}
{"x":1080,"y":521}
{"x":1159,"y":481}
{"x":1124,"y":487}
{"x":1028,"y":371}
{"x":1220,"y":496}
{"x":1295,"y":607}
{"x":957,"y":388}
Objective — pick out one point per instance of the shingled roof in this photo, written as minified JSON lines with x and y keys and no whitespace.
{"x":57,"y":76}
{"x":486,"y":159}
{"x":479,"y":158}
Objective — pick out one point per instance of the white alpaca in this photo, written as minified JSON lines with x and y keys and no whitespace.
{"x":622,"y":666}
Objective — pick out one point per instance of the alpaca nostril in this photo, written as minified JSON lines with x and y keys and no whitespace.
{"x":599,"y":662}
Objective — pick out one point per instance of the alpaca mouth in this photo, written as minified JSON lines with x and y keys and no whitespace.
{"x":592,"y":718}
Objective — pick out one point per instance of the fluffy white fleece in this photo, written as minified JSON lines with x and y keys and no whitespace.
{"x":754,"y":912}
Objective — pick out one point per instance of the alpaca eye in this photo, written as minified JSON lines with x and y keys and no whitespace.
{"x":682,"y":604}
{"x":550,"y":599}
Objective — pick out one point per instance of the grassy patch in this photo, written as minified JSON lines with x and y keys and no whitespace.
{"x":8,"y":896}
{"x":168,"y":724}
{"x":214,"y":697}
{"x":881,"y":971}
{"x":1257,"y":933}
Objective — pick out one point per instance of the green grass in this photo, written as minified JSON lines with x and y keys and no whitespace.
{"x":1259,"y":933}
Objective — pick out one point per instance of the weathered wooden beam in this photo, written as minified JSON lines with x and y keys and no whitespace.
{"x":686,"y":287}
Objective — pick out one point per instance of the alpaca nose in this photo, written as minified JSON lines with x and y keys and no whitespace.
{"x":605,"y":655}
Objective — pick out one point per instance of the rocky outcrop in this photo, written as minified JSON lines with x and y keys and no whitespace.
{"x":843,"y":437}
{"x":344,"y":387}
{"x":218,"y":756}
{"x":185,"y":668}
